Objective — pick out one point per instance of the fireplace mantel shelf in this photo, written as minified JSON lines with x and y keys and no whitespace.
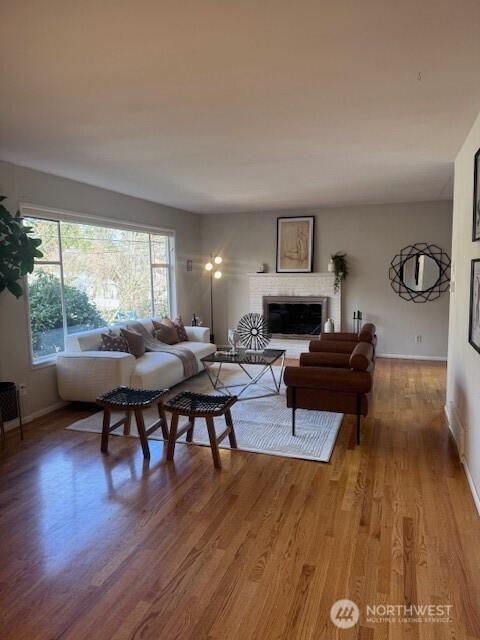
{"x":283,"y":275}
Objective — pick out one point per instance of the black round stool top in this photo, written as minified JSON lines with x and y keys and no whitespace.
{"x":126,"y":397}
{"x":199,"y":404}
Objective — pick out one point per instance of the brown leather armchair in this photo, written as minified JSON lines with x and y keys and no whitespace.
{"x":344,"y":342}
{"x":338,"y":381}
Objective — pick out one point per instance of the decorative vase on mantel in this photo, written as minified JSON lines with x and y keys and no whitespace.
{"x":331,"y":266}
{"x":329,"y":326}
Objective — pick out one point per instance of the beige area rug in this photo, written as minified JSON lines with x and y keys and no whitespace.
{"x":262,"y":425}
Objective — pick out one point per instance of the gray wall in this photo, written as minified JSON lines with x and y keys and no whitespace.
{"x":463,"y":397}
{"x":371,"y":236}
{"x":24,"y":185}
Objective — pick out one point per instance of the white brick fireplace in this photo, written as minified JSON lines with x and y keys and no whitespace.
{"x":295,"y":284}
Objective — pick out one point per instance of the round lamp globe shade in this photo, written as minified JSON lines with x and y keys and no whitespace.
{"x":209,"y":266}
{"x":217,"y":275}
{"x":217,"y":260}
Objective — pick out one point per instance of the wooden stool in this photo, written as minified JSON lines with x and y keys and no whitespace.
{"x":136,"y":401}
{"x":198,"y":405}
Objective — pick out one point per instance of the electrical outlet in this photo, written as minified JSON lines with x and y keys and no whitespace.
{"x":418,"y":339}
{"x":22,"y":389}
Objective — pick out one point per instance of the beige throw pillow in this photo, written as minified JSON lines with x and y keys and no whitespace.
{"x":180,"y":327}
{"x":165,"y":331}
{"x":135,"y":341}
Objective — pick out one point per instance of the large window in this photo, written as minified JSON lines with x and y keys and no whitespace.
{"x":92,"y":275}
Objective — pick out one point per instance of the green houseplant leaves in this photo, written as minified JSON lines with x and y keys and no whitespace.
{"x":18,"y":251}
{"x":340,"y":267}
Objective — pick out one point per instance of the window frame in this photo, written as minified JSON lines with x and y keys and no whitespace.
{"x":29,"y":210}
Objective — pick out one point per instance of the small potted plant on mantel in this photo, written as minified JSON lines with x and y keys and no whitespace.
{"x":338,"y":266}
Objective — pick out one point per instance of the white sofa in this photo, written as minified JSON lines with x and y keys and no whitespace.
{"x":84,"y":372}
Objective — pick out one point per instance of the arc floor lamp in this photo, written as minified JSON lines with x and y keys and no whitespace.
{"x":214,"y":272}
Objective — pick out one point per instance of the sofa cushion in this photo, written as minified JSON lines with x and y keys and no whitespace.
{"x":347,"y":336}
{"x":319,"y":359}
{"x":157,"y":370}
{"x":199,"y":350}
{"x":160,"y":370}
{"x":332,"y":346}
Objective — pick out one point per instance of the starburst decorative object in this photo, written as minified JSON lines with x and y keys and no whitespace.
{"x":253,"y":331}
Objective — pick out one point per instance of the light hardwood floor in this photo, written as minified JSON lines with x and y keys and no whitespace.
{"x":95,"y":547}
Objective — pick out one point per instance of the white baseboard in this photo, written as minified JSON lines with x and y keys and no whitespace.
{"x":454,"y":417}
{"x":471,"y":484}
{"x":449,"y":419}
{"x":455,"y":427}
{"x":36,"y":414}
{"x":398,"y":356}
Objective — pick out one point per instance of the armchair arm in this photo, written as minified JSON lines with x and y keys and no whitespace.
{"x":332,"y":346}
{"x":320,"y":359}
{"x":198,"y":334}
{"x":84,"y":375}
{"x":328,"y":379}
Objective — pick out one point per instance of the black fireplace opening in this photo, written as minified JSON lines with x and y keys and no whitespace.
{"x":295,"y":318}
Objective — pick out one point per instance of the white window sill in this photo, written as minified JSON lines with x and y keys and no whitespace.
{"x":42,"y":363}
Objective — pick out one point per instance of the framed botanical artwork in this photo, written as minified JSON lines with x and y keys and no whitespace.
{"x":476,"y":198}
{"x":474,"y":325}
{"x":295,"y":244}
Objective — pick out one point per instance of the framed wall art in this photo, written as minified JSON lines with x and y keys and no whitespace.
{"x":295,"y":237}
{"x":476,"y":198}
{"x":474,"y":324}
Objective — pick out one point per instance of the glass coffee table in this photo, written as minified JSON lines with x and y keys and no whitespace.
{"x":244,"y":358}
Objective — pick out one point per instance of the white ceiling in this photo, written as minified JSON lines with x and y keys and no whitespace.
{"x":238,"y":105}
